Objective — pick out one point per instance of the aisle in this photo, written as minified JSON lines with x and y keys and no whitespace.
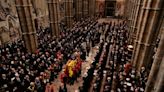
{"x":89,"y":59}
{"x":72,"y":88}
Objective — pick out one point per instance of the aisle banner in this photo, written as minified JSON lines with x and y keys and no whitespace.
{"x":100,"y":7}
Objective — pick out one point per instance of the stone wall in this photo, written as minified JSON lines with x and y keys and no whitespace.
{"x":9,"y":18}
{"x":9,"y":23}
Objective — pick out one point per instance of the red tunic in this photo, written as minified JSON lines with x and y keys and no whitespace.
{"x":62,"y":77}
{"x":127,"y":68}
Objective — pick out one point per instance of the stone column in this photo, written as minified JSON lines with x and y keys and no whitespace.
{"x":129,"y":8}
{"x":85,"y":8}
{"x":159,"y":84}
{"x":156,"y":72}
{"x":68,"y":12}
{"x":54,"y":16}
{"x":62,"y":11}
{"x":135,"y":26}
{"x":24,"y":10}
{"x":148,"y":30}
{"x":78,"y":10}
{"x":133,"y":13}
{"x":126,"y":8}
{"x":136,"y":17}
{"x":129,"y":12}
{"x":92,"y":8}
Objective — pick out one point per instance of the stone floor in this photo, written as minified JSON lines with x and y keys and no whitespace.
{"x":73,"y":88}
{"x":89,"y":59}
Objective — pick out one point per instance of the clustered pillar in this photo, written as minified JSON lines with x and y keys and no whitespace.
{"x":132,"y":12}
{"x":126,"y":9}
{"x":147,"y":32}
{"x":78,"y":10}
{"x":24,"y":10}
{"x":128,"y":14}
{"x":136,"y":24}
{"x":132,"y":20}
{"x":156,"y":76}
{"x":145,"y":22}
{"x":85,"y":6}
{"x":92,"y":8}
{"x":68,"y":12}
{"x":54,"y":16}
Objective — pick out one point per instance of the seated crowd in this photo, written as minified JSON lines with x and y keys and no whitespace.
{"x":21,"y":71}
{"x":118,"y":74}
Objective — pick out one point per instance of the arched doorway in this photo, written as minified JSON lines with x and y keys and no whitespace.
{"x":110,"y":7}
